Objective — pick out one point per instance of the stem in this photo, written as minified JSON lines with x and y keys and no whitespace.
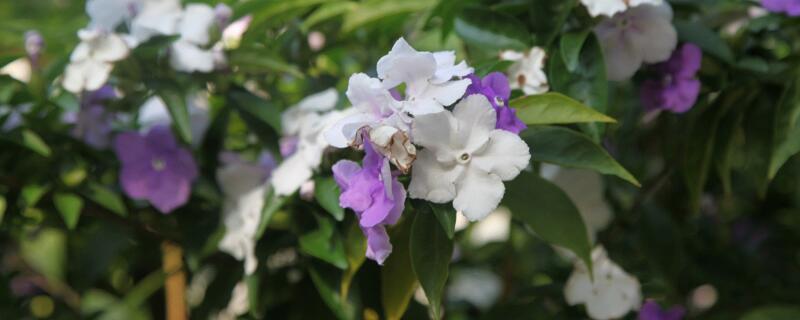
{"x":175,"y":283}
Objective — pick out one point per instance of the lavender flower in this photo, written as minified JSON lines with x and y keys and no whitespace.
{"x":652,"y":311}
{"x":93,"y":122}
{"x":155,"y":168}
{"x":223,"y":14}
{"x":789,"y":7}
{"x":34,"y":43}
{"x":494,"y":87}
{"x":677,"y":87}
{"x":374,"y":194}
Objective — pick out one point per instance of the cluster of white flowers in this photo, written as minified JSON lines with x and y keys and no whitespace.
{"x":633,"y":32}
{"x":464,"y":160}
{"x":527,"y":71}
{"x":102,"y":43}
{"x":609,"y":292}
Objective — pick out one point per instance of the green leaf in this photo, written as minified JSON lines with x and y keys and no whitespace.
{"x":445,"y":213}
{"x":326,"y":191}
{"x":272,"y":203}
{"x":491,"y":30}
{"x":355,"y":248}
{"x":261,"y":61}
{"x":705,"y":38}
{"x":32,"y":141}
{"x":571,"y":45}
{"x":175,"y":101}
{"x":261,"y":116}
{"x":326,"y":279}
{"x":376,"y":10}
{"x":45,"y":251}
{"x":3,"y":207}
{"x":32,"y":193}
{"x":570,"y":148}
{"x":547,"y":18}
{"x":325,"y":243}
{"x":431,"y":252}
{"x":773,"y":313}
{"x":554,"y":217}
{"x":787,"y":128}
{"x":327,"y":11}
{"x":398,"y":281}
{"x":555,"y":108}
{"x":106,"y":198}
{"x":69,"y":205}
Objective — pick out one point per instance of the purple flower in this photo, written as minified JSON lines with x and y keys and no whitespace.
{"x":155,"y":168}
{"x":222,"y":14}
{"x":34,"y":43}
{"x":652,"y":311}
{"x":93,"y":122}
{"x":494,"y":87}
{"x":676,"y":89}
{"x":375,"y":195}
{"x":790,"y":7}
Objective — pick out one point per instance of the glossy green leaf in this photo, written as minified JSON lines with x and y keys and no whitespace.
{"x":355,"y":248}
{"x":787,"y":128}
{"x":258,"y":109}
{"x":106,"y":198}
{"x":553,"y":216}
{"x":255,"y":62}
{"x":431,"y":252}
{"x":547,"y":18}
{"x":32,"y":141}
{"x":398,"y":281}
{"x":45,"y":251}
{"x":569,"y":148}
{"x":272,"y":204}
{"x":571,"y":46}
{"x":32,"y":193}
{"x":487,"y":29}
{"x":327,"y":279}
{"x":326,"y":191}
{"x":444,"y":213}
{"x":705,"y":38}
{"x":327,"y":11}
{"x":69,"y":205}
{"x":555,"y":108}
{"x":325,"y":243}
{"x":175,"y":100}
{"x":375,"y":10}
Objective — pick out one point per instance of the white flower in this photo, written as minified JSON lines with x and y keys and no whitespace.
{"x":527,"y":72}
{"x":643,"y":34}
{"x":157,"y":17}
{"x":108,"y":14}
{"x":479,"y":287}
{"x":239,"y":303}
{"x":465,"y":158}
{"x":427,"y":77}
{"x":19,"y":70}
{"x":232,"y":35}
{"x":494,"y":228}
{"x":91,"y":61}
{"x":613,"y":293}
{"x":307,"y":121}
{"x":585,"y":189}
{"x":611,"y":7}
{"x":188,"y":53}
{"x":154,"y":113}
{"x":244,"y":186}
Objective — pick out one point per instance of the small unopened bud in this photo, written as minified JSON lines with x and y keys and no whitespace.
{"x":232,"y":35}
{"x":34,"y":44}
{"x":316,"y":40}
{"x":222,"y":13}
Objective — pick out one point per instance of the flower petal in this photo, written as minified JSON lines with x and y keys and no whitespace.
{"x":654,"y":36}
{"x":432,"y":180}
{"x":290,"y":175}
{"x":378,"y":245}
{"x":195,"y":23}
{"x":505,"y":155}
{"x":187,"y":57}
{"x":479,"y":193}
{"x":446,"y":93}
{"x":475,"y":119}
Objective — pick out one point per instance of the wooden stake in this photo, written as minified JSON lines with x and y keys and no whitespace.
{"x":175,"y":283}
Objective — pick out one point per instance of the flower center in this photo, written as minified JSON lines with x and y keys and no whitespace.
{"x":498,"y":101}
{"x":158,"y":164}
{"x":464,"y":158}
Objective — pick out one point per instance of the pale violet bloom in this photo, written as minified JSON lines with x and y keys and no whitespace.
{"x":108,"y":14}
{"x":586,"y":190}
{"x":611,"y":295}
{"x":611,"y":7}
{"x":305,"y":121}
{"x":479,"y":287}
{"x":465,"y":159}
{"x":92,"y":60}
{"x":156,"y":18}
{"x":527,"y":71}
{"x":376,"y":109}
{"x":642,"y":34}
{"x":244,"y":186}
{"x":188,"y":53}
{"x":154,"y":113}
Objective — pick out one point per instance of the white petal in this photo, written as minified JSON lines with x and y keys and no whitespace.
{"x":109,"y":48}
{"x":81,"y":52}
{"x":368,"y":95}
{"x":290,"y":175}
{"x":404,"y":64}
{"x":108,"y":14}
{"x":187,"y":57}
{"x":585,"y":189}
{"x":86,"y":75}
{"x":475,"y":119}
{"x":604,"y":7}
{"x":158,"y":17}
{"x":478,"y":193}
{"x":511,"y":55}
{"x":446,"y":93}
{"x":421,"y":107}
{"x":19,"y":69}
{"x":504,"y":155}
{"x":655,"y":37}
{"x":446,"y":68}
{"x":321,"y":101}
{"x":622,"y":57}
{"x":613,"y":293}
{"x":195,"y":23}
{"x":494,"y":228}
{"x":343,"y":133}
{"x":433,"y":131}
{"x":431,"y":180}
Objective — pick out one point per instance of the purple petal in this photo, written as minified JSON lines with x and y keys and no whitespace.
{"x":507,"y":120}
{"x":160,"y":138}
{"x":498,"y":83}
{"x":343,"y":171}
{"x":168,"y":191}
{"x":131,"y":147}
{"x":691,"y":57}
{"x":378,"y":245}
{"x":181,"y":163}
{"x":135,"y":179}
